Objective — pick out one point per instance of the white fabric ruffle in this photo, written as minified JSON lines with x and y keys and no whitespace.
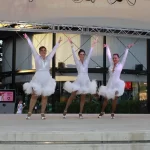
{"x":82,"y":85}
{"x":42,"y":84}
{"x":109,"y":91}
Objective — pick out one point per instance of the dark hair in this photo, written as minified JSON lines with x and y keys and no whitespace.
{"x":80,"y":51}
{"x":116,"y":55}
{"x":41,"y":48}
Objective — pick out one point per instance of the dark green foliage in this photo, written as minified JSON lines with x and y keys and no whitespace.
{"x":124,"y":107}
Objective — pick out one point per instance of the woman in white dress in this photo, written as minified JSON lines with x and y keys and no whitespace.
{"x":42,"y":83}
{"x":82,"y":85}
{"x":115,"y":86}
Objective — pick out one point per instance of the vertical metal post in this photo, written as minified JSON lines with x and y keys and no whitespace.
{"x":53,"y":70}
{"x":14,"y":62}
{"x":1,"y":60}
{"x":148,"y":75}
{"x":104,"y":61}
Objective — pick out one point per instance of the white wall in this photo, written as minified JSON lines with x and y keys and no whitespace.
{"x":67,"y":12}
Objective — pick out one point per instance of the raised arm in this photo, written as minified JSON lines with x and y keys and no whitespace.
{"x":108,"y":53}
{"x":73,"y":52}
{"x":34,"y":52}
{"x":74,"y":55}
{"x":89,"y":55}
{"x":125,"y":54}
{"x":52,"y":53}
{"x":91,"y":50}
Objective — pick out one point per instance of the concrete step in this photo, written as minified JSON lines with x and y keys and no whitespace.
{"x":77,"y":147}
{"x":125,"y":132}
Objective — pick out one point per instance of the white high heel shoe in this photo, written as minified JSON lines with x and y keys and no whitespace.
{"x":64,"y":114}
{"x":80,"y":116}
{"x":112,"y":116}
{"x":28,"y":116}
{"x":43,"y":116}
{"x":101,"y":114}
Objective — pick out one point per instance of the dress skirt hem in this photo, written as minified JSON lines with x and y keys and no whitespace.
{"x":111,"y":91}
{"x":72,"y":87}
{"x":41,"y":84}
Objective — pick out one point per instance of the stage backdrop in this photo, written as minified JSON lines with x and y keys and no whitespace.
{"x":137,"y":54}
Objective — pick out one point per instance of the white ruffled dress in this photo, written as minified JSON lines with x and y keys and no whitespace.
{"x":42,"y":82}
{"x":115,"y":84}
{"x":82,"y":84}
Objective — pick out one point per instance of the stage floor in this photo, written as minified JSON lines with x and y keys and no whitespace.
{"x":126,"y":130}
{"x":55,"y":123}
{"x":130,"y":132}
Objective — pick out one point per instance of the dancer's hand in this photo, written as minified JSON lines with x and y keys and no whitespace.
{"x":60,"y":39}
{"x":25,"y":36}
{"x":70,"y":41}
{"x":105,"y":45}
{"x":130,"y":45}
{"x":24,"y":105}
{"x":95,"y":42}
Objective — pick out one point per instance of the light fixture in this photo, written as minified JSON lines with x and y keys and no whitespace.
{"x":79,"y":1}
{"x":93,"y":1}
{"x":3,"y":25}
{"x":21,"y":26}
{"x":130,"y":2}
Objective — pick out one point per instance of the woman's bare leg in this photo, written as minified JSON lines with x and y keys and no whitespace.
{"x":114,"y":103}
{"x":103,"y":107}
{"x":73,"y":94}
{"x":33,"y":101}
{"x":44,"y":104}
{"x":82,"y":102}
